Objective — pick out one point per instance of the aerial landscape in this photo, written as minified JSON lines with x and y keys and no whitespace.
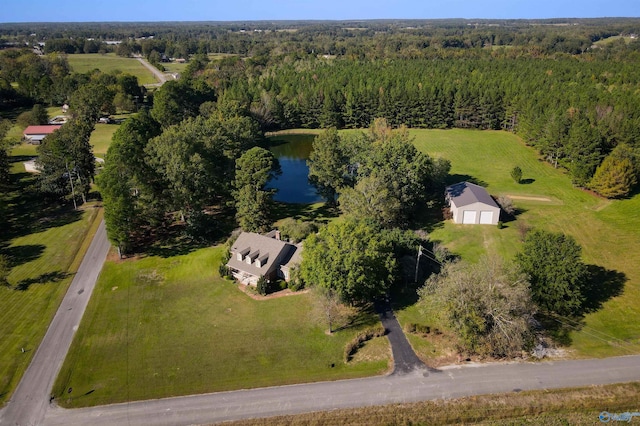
{"x":329,"y":213}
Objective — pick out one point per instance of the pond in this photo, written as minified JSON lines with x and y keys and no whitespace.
{"x":292,"y":151}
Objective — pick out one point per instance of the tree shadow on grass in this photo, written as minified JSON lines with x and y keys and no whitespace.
{"x":18,"y":255}
{"x":309,"y":212}
{"x":177,"y":239}
{"x":602,"y":285}
{"x":49,"y":277}
{"x":365,"y":315}
{"x":28,"y":211}
{"x":457,"y":178}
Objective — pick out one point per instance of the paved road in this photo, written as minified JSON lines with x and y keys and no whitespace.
{"x":160,"y":76}
{"x":30,"y":401}
{"x":418,"y":385}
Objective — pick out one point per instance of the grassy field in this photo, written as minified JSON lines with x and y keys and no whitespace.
{"x":578,"y":406}
{"x":159,"y":327}
{"x":111,"y":63}
{"x":45,"y":246}
{"x":609,"y":231}
{"x":101,"y":138}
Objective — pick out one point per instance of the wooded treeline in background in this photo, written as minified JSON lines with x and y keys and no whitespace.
{"x":577,"y":102}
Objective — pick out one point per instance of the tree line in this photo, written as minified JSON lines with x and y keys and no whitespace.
{"x":574,"y":111}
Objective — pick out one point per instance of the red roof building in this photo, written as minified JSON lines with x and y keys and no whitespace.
{"x":35,"y":134}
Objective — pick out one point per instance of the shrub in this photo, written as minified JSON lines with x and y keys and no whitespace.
{"x":356,"y":343}
{"x":516,"y":174}
{"x":417,"y":328}
{"x":296,"y":230}
{"x":262,"y":286}
{"x":296,"y":285}
{"x":506,"y":204}
{"x":224,"y":270}
{"x":500,"y":224}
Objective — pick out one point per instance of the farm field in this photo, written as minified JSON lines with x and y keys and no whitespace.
{"x":45,"y":247}
{"x":158,"y":327}
{"x":609,"y":231}
{"x":108,"y":63}
{"x":101,"y":138}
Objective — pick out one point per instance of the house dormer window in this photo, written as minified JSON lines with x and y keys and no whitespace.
{"x":242,"y":253}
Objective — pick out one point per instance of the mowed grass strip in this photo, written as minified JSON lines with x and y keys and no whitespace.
{"x":608,"y":231}
{"x":159,"y":327}
{"x":575,"y":406}
{"x":108,"y":63}
{"x":45,"y":249}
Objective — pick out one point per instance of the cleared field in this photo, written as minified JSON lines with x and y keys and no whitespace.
{"x":159,"y":327}
{"x":101,"y":138}
{"x":109,"y":63}
{"x":609,"y":231}
{"x":45,"y":247}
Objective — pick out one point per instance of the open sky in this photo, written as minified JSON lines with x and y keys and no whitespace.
{"x":242,"y":10}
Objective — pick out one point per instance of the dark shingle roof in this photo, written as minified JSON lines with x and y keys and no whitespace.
{"x":465,"y":193}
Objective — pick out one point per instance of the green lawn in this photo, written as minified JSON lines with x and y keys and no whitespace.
{"x":609,"y":231}
{"x":175,"y":67}
{"x":101,"y":138}
{"x":45,"y":246}
{"x":159,"y":327}
{"x":109,"y":63}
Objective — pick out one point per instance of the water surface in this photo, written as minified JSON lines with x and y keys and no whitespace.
{"x":292,"y":151}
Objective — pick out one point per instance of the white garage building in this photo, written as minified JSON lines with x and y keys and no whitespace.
{"x":471,"y":204}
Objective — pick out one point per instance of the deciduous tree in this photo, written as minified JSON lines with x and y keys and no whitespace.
{"x":352,"y":258}
{"x":328,"y":164}
{"x":253,"y":201}
{"x":488,"y":305}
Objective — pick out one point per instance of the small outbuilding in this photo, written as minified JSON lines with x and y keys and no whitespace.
{"x":35,"y":134}
{"x":471,"y":204}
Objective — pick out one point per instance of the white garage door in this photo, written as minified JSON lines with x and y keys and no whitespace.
{"x":486,"y":218}
{"x":469,"y":216}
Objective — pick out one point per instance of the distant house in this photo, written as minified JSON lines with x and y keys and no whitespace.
{"x":254,"y":255}
{"x":35,"y":134}
{"x":471,"y":204}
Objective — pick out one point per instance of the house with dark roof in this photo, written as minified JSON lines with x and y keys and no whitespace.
{"x":35,"y":134}
{"x":471,"y":204}
{"x":254,"y":255}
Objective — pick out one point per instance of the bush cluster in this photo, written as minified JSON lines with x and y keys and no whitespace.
{"x":417,"y":328}
{"x":356,"y":343}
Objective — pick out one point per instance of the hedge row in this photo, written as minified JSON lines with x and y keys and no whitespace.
{"x":356,"y":343}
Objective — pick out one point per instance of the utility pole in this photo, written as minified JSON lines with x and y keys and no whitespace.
{"x":415,"y":279}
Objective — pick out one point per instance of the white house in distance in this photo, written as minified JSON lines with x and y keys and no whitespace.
{"x":254,"y":255}
{"x":35,"y":134}
{"x":471,"y":204}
